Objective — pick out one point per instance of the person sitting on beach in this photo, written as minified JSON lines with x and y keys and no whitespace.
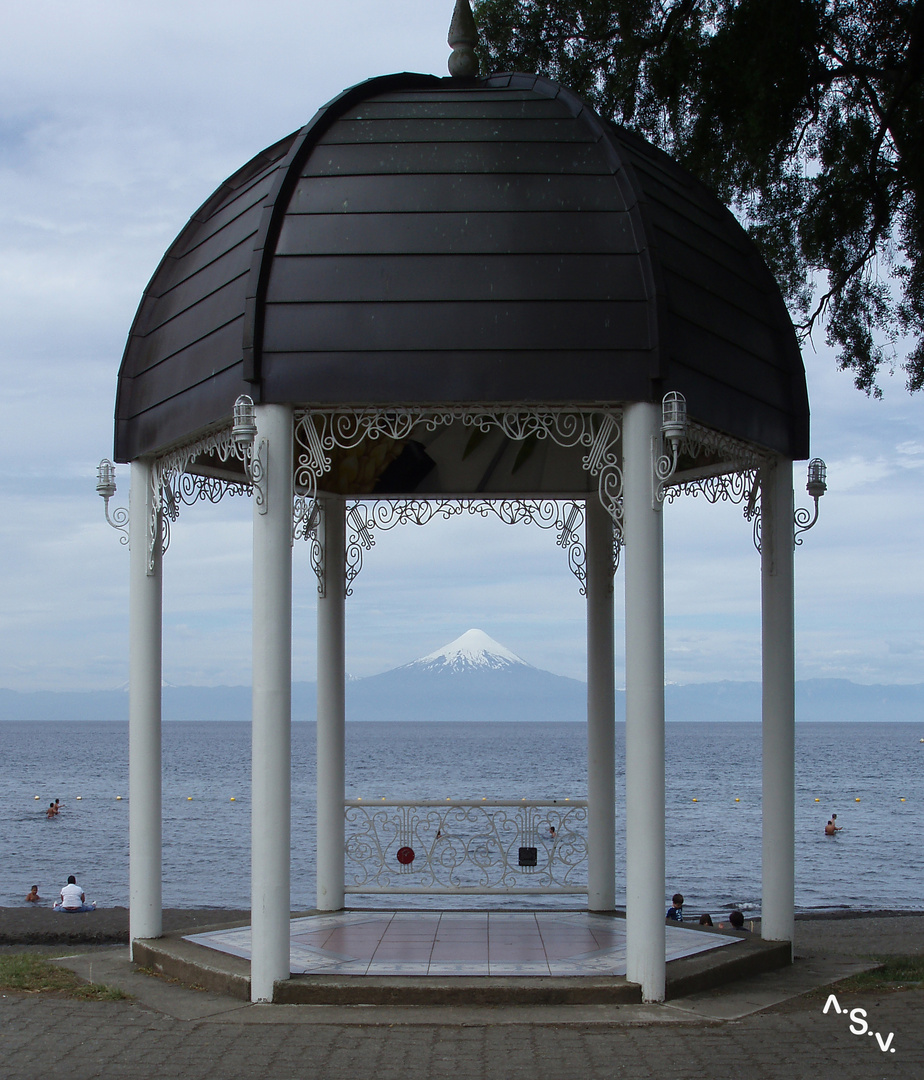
{"x":830,"y":829}
{"x":736,"y":920}
{"x":51,"y":811}
{"x":705,"y":920}
{"x":675,"y":913}
{"x":72,"y":898}
{"x":32,"y":896}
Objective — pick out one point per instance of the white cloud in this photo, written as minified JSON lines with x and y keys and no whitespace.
{"x":856,"y":472}
{"x":910,"y":454}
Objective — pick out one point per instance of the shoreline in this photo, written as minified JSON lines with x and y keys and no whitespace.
{"x":26,"y":925}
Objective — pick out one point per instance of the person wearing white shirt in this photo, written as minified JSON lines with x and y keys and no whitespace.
{"x":73,"y":898}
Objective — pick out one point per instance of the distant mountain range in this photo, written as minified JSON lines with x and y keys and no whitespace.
{"x":477,"y":678}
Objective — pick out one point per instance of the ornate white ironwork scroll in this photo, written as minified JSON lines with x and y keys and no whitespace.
{"x":732,"y":487}
{"x":698,"y":441}
{"x":319,"y":432}
{"x":803,"y":520}
{"x":466,"y":846}
{"x":187,"y":489}
{"x":597,"y":431}
{"x":366,"y":517}
{"x":736,"y":479}
{"x":217,"y":443}
{"x":172,"y":486}
{"x":307,"y":517}
{"x":257,"y":462}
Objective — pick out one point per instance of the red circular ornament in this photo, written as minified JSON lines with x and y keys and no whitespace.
{"x":405,"y":855}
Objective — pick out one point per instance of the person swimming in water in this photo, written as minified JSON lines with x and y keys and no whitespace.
{"x":51,"y":811}
{"x":830,"y":828}
{"x":32,"y":896}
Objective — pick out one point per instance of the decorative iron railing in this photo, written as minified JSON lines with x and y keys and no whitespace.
{"x":465,"y":846}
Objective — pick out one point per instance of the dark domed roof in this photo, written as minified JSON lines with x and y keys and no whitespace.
{"x":426,"y":241}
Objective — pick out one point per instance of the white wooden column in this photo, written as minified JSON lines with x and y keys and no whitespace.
{"x":144,"y":710}
{"x":271,"y":776}
{"x":331,"y":708}
{"x":778,"y":631}
{"x":601,"y":709}
{"x":643,"y":560}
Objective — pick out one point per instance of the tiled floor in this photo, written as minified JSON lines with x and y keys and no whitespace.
{"x":460,"y":943}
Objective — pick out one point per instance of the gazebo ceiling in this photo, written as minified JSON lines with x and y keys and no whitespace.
{"x":427,"y":241}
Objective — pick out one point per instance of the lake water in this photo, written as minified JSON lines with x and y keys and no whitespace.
{"x":713,"y":843}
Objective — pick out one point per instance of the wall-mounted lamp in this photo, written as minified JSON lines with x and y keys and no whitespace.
{"x":106,"y":488}
{"x":674,"y":418}
{"x":244,"y":429}
{"x":816,"y":487}
{"x":105,"y":480}
{"x":673,"y":426}
{"x":251,"y":452}
{"x":817,"y":471}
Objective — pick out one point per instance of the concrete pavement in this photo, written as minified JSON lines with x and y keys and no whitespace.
{"x":771,"y":1026}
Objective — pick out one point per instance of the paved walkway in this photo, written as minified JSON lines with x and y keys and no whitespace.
{"x":172,"y":1031}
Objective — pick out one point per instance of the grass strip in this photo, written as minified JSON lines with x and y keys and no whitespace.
{"x":903,"y":972}
{"x":29,"y":973}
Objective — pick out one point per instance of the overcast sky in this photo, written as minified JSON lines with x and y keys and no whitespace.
{"x":116,"y":121}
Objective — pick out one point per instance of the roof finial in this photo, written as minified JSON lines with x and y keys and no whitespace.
{"x":463,"y":37}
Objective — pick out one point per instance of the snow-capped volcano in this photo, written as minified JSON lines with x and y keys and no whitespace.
{"x":471,"y":678}
{"x":472,"y":651}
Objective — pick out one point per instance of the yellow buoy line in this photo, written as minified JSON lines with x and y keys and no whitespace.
{"x":359,"y":798}
{"x":901,"y":798}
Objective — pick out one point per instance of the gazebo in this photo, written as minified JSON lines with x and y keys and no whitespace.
{"x":460,"y":288}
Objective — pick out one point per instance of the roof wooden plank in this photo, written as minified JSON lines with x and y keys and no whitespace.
{"x":427,"y":158}
{"x":379,"y":234}
{"x":415,"y":326}
{"x":193,"y":324}
{"x":175,"y":419}
{"x":187,"y":369}
{"x":448,"y":130}
{"x":247,"y":201}
{"x":454,"y":92}
{"x":475,"y":276}
{"x":734,"y":410}
{"x":679,"y":260}
{"x":453,"y":193}
{"x":473,"y":107}
{"x":234,"y":236}
{"x":328,"y":377}
{"x":198,"y":288}
{"x":725,"y":319}
{"x":731,"y":363}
